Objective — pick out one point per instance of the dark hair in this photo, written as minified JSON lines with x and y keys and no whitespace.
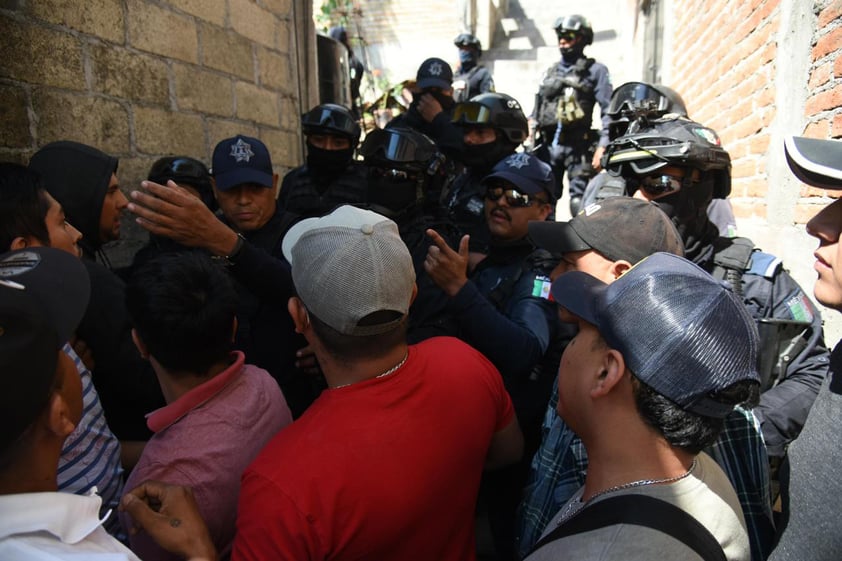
{"x":355,"y":347}
{"x":23,"y":205}
{"x":681,"y":428}
{"x":183,"y":307}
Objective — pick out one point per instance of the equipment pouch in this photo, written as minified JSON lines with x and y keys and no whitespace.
{"x":781,"y":340}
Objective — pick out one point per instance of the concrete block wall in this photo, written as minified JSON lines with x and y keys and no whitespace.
{"x":755,"y":71}
{"x":141,"y":79}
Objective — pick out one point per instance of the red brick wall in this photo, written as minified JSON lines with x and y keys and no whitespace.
{"x":727,"y":73}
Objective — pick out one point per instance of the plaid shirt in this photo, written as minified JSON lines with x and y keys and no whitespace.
{"x":560,"y":464}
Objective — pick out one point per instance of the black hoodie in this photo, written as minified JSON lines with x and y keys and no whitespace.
{"x":77,"y":176}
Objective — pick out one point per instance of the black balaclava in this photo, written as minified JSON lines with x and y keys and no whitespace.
{"x":393,"y":197}
{"x":467,"y":59}
{"x":481,"y":157}
{"x":688,"y":211}
{"x":574,"y":53}
{"x":328,"y":162}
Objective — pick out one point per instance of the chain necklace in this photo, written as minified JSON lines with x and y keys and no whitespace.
{"x":392,"y":370}
{"x":576,"y":504}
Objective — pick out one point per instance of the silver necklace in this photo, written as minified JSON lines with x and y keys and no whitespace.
{"x":576,"y":504}
{"x":392,"y":370}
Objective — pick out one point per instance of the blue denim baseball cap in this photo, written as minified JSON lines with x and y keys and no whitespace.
{"x":680,"y":331}
{"x":239,"y":160}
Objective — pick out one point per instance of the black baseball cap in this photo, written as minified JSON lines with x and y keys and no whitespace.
{"x":815,"y":162}
{"x":434,"y":73}
{"x":617,"y":227}
{"x":241,"y":159}
{"x":43,"y":295}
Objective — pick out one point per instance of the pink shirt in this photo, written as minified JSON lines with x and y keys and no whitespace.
{"x":205,"y":439}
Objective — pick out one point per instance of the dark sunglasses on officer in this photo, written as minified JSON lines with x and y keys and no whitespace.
{"x":514,"y":198}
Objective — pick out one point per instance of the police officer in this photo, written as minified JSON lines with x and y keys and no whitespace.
{"x":636,"y":104}
{"x":493,"y":126}
{"x":503,"y":311}
{"x":564,"y":110}
{"x":331,"y":176}
{"x":432,"y":106}
{"x":470,"y":78}
{"x":405,"y":168}
{"x":681,"y":165}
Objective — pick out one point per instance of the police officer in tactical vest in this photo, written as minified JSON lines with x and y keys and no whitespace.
{"x":330,"y":177}
{"x":561,"y":120}
{"x":681,"y":165}
{"x":470,"y":78}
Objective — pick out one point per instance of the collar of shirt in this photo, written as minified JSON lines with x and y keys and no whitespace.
{"x":70,"y":518}
{"x":162,"y":418}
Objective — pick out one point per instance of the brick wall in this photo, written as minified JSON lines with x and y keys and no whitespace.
{"x":141,"y":79}
{"x":730,"y":62}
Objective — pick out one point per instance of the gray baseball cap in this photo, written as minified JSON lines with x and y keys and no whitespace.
{"x":348,"y":265}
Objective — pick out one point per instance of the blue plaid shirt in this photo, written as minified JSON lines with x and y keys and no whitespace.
{"x":560,"y":464}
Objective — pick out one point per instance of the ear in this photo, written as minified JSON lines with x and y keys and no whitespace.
{"x":19,"y":242}
{"x":215,"y":190}
{"x":275,"y":177}
{"x":618,"y":268}
{"x":140,"y":345}
{"x":299,"y":314}
{"x":613,"y":372}
{"x":544,"y":210}
{"x":59,"y":416}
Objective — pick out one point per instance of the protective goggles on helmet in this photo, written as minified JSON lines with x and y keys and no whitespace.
{"x":566,"y":34}
{"x":514,"y":198}
{"x":471,"y":113}
{"x":330,"y":119}
{"x":390,"y":145}
{"x":178,"y":169}
{"x":635,"y":97}
{"x":663,"y":183}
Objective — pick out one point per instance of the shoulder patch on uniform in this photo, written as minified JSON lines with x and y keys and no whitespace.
{"x":541,"y":287}
{"x":764,"y":264}
{"x":800,"y":307}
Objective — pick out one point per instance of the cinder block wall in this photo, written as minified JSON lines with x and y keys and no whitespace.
{"x":141,"y":79}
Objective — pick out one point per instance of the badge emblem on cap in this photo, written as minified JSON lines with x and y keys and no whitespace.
{"x":435,"y":69}
{"x":519,"y":160}
{"x":241,"y":151}
{"x":18,"y":263}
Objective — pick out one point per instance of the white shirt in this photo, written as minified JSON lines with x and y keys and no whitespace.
{"x":53,"y":526}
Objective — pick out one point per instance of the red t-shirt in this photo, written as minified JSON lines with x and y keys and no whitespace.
{"x":383,"y":469}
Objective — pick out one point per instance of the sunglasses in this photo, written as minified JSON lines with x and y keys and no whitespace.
{"x":567,"y":35}
{"x":660,"y":184}
{"x":514,"y":198}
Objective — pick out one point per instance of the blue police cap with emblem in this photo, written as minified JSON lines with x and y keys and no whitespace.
{"x":529,"y":174}
{"x":239,"y":160}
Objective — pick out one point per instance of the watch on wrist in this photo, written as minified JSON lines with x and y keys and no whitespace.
{"x":235,"y":252}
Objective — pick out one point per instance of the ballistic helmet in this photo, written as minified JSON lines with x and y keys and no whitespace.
{"x":468,"y":40}
{"x":640,"y":97}
{"x":670,"y":142}
{"x":576,"y":24}
{"x":187,"y":171}
{"x":402,"y":165}
{"x":329,"y":118}
{"x":497,"y":110}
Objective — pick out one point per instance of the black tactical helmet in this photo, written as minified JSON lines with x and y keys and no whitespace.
{"x":187,"y":171}
{"x":468,"y":40}
{"x":671,"y":142}
{"x":633,"y":97}
{"x":333,"y":119}
{"x":497,"y":110}
{"x":577,"y":24}
{"x":400,"y":148}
